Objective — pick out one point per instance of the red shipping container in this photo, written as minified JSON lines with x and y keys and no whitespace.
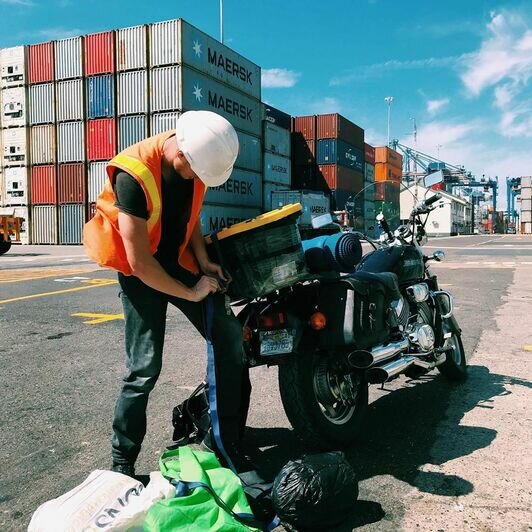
{"x":43,"y":185}
{"x":100,"y":53}
{"x":101,"y":139}
{"x":306,"y":125}
{"x":438,"y":186}
{"x":40,"y":62}
{"x":71,"y":183}
{"x":369,"y":154}
{"x":335,"y":126}
{"x":333,"y":176}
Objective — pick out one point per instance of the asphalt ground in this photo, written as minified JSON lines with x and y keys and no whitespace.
{"x":431,"y":457}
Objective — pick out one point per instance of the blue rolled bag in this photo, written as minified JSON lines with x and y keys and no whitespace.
{"x":340,"y":252}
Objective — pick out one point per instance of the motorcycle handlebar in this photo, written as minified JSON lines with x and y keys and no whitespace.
{"x":432,"y":200}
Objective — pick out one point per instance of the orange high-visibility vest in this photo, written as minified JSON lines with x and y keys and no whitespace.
{"x":101,"y":235}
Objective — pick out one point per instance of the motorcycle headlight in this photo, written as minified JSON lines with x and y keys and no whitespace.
{"x":418,"y":292}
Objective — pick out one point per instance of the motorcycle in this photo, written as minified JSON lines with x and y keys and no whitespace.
{"x":333,"y":335}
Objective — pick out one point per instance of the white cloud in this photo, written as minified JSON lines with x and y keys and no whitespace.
{"x":379,"y":69}
{"x":25,"y":3}
{"x":275,"y":78}
{"x":434,"y":106}
{"x":504,"y":63}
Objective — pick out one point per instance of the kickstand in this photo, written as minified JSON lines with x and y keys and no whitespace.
{"x":382,"y":386}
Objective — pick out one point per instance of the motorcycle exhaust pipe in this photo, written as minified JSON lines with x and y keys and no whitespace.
{"x":365,"y":359}
{"x":381,"y":374}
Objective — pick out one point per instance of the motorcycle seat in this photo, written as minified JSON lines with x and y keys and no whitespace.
{"x":388,"y":280}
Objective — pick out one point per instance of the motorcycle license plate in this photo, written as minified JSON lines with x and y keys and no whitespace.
{"x":277,"y":342}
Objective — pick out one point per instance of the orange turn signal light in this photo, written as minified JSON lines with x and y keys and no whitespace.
{"x":318,"y":321}
{"x":247,"y":334}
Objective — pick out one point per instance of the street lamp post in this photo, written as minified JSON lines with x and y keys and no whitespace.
{"x":389,"y":99}
{"x":222,"y":21}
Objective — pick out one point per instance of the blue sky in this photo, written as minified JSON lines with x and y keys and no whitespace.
{"x":462,"y":69}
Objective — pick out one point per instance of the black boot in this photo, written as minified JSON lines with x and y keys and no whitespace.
{"x":234,"y":450}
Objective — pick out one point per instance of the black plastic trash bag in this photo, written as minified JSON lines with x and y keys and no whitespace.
{"x":315,"y":492}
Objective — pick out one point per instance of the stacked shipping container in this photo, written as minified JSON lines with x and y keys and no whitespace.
{"x":14,"y":188}
{"x":92,"y":96}
{"x":369,"y":187}
{"x":526,"y":205}
{"x":329,"y":156}
{"x":277,"y":152}
{"x":388,"y":176}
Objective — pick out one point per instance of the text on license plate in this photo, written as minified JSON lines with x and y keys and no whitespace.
{"x":276,"y":342}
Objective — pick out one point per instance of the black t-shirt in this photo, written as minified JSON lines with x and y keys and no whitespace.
{"x":175,"y":211}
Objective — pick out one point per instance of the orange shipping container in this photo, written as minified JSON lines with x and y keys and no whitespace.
{"x":383,"y":154}
{"x":386,"y":172}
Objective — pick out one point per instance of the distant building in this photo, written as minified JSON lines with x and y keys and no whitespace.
{"x":452,"y":216}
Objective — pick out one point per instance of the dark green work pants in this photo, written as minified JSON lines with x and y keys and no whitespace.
{"x":145,"y":319}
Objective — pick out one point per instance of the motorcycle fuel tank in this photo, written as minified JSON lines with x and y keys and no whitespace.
{"x":405,"y":261}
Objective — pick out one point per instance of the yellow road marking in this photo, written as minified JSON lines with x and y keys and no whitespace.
{"x":30,"y":274}
{"x":527,"y":347}
{"x":101,"y":282}
{"x":98,"y":318}
{"x":445,"y":285}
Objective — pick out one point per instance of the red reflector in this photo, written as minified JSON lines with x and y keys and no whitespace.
{"x":318,"y":321}
{"x":247,"y":334}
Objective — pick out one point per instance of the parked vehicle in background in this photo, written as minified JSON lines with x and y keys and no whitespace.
{"x":10,"y":228}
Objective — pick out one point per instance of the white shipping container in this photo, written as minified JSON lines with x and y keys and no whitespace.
{"x":164,"y":89}
{"x":70,"y":142}
{"x":14,"y":143}
{"x":14,"y":107}
{"x":42,"y":144}
{"x":526,"y":204}
{"x":164,"y":43}
{"x":277,"y":169}
{"x":12,"y":65}
{"x":526,"y":192}
{"x":16,"y":185}
{"x":44,"y":224}
{"x":97,"y":179}
{"x":42,"y":108}
{"x":276,"y":139}
{"x":526,"y":181}
{"x":162,"y":122}
{"x":526,"y":216}
{"x":131,"y":48}
{"x":70,"y":100}
{"x":68,"y":62}
{"x":132,"y":90}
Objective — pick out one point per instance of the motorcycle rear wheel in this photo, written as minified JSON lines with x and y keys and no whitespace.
{"x":5,"y":246}
{"x":312,"y":386}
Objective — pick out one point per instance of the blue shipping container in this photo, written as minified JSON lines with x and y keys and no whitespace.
{"x":131,"y":129}
{"x":100,"y":96}
{"x":242,"y":188}
{"x":276,"y":139}
{"x":336,"y":151}
{"x":268,"y":189}
{"x":250,"y":152}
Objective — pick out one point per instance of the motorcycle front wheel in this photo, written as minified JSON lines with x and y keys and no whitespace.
{"x":454,"y":368}
{"x":323,"y":400}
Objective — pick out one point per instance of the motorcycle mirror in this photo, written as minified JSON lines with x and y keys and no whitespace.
{"x":438,"y":255}
{"x":322,"y":220}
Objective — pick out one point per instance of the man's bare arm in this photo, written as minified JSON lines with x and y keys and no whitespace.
{"x":134,"y":232}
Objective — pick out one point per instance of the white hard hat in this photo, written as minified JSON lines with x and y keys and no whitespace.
{"x":210,"y":145}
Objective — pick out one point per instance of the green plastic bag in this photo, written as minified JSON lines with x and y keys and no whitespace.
{"x":199,"y":510}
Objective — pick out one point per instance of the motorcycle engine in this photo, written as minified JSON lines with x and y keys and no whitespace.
{"x":402,"y":311}
{"x":423,"y":336}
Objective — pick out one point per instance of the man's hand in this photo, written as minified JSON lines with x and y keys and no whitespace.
{"x":205,"y":286}
{"x":211,"y":268}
